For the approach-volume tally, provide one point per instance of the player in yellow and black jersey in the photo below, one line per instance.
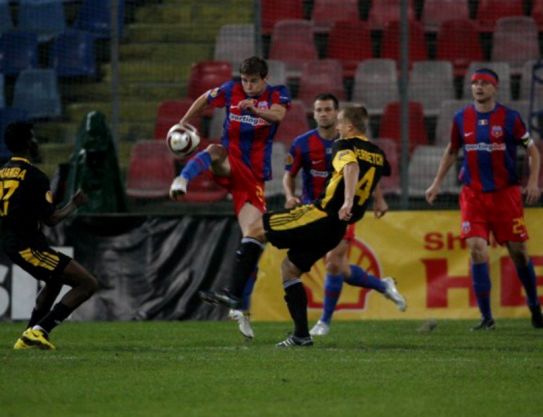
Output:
(310, 231)
(26, 203)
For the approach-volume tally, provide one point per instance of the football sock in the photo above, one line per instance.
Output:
(332, 291)
(527, 277)
(248, 290)
(481, 287)
(57, 315)
(296, 299)
(360, 278)
(246, 262)
(198, 164)
(36, 316)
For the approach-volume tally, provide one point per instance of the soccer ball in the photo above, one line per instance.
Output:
(182, 139)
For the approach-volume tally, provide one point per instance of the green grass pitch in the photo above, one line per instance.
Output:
(200, 369)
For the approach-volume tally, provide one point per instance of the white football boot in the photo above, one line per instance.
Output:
(244, 324)
(320, 329)
(392, 293)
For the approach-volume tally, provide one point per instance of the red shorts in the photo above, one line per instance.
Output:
(500, 212)
(349, 233)
(243, 186)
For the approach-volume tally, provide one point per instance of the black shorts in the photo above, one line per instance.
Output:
(308, 233)
(36, 257)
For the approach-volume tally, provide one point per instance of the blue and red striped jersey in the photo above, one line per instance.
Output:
(246, 136)
(489, 141)
(313, 155)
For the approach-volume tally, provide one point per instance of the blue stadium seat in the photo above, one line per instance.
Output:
(18, 51)
(8, 115)
(6, 24)
(36, 91)
(43, 17)
(2, 98)
(72, 54)
(95, 17)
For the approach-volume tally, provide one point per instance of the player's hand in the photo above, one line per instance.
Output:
(248, 104)
(79, 198)
(533, 193)
(178, 188)
(431, 193)
(345, 212)
(292, 202)
(380, 207)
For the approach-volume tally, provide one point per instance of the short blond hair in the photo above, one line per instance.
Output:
(358, 116)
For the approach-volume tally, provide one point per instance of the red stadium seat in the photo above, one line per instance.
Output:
(203, 189)
(206, 75)
(537, 13)
(168, 113)
(458, 42)
(321, 76)
(390, 126)
(327, 12)
(292, 42)
(294, 124)
(489, 11)
(391, 184)
(435, 12)
(384, 11)
(151, 170)
(350, 42)
(276, 10)
(418, 51)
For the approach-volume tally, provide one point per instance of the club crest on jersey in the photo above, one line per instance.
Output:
(497, 131)
(262, 105)
(466, 227)
(483, 122)
(289, 159)
(214, 93)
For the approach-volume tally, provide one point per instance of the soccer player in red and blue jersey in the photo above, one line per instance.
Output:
(242, 162)
(491, 197)
(311, 153)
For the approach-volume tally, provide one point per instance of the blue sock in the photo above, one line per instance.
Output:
(482, 286)
(528, 279)
(360, 278)
(332, 291)
(197, 164)
(248, 291)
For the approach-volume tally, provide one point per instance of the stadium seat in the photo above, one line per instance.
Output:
(435, 12)
(324, 75)
(515, 40)
(8, 115)
(206, 75)
(447, 110)
(526, 85)
(36, 91)
(489, 11)
(277, 72)
(234, 43)
(384, 11)
(422, 170)
(73, 55)
(537, 13)
(458, 42)
(203, 189)
(272, 11)
(274, 187)
(390, 184)
(350, 42)
(6, 23)
(431, 83)
(390, 48)
(375, 84)
(151, 170)
(18, 51)
(43, 17)
(292, 42)
(327, 12)
(2, 94)
(95, 16)
(390, 126)
(504, 74)
(216, 124)
(294, 124)
(169, 113)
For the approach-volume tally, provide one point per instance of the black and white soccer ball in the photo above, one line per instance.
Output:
(182, 139)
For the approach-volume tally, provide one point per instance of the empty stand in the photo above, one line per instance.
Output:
(216, 124)
(2, 93)
(422, 170)
(234, 43)
(95, 16)
(504, 73)
(274, 187)
(206, 75)
(431, 83)
(43, 17)
(435, 12)
(390, 184)
(275, 10)
(390, 126)
(350, 43)
(458, 42)
(277, 72)
(320, 76)
(18, 51)
(418, 50)
(447, 110)
(6, 23)
(537, 13)
(36, 92)
(384, 11)
(294, 123)
(151, 170)
(73, 54)
(327, 12)
(375, 84)
(526, 85)
(489, 11)
(169, 113)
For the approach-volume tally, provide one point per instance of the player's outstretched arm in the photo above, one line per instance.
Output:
(289, 187)
(532, 190)
(447, 161)
(77, 200)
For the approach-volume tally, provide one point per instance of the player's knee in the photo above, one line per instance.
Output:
(89, 285)
(479, 254)
(333, 266)
(217, 152)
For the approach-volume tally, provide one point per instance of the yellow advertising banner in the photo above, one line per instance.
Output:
(423, 251)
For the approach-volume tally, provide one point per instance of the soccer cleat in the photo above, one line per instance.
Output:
(223, 297)
(320, 329)
(295, 341)
(392, 293)
(485, 324)
(244, 324)
(20, 344)
(537, 318)
(37, 338)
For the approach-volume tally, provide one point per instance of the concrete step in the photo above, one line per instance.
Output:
(178, 53)
(156, 91)
(165, 13)
(146, 71)
(137, 111)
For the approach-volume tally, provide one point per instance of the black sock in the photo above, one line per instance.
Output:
(57, 315)
(296, 299)
(36, 316)
(247, 257)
